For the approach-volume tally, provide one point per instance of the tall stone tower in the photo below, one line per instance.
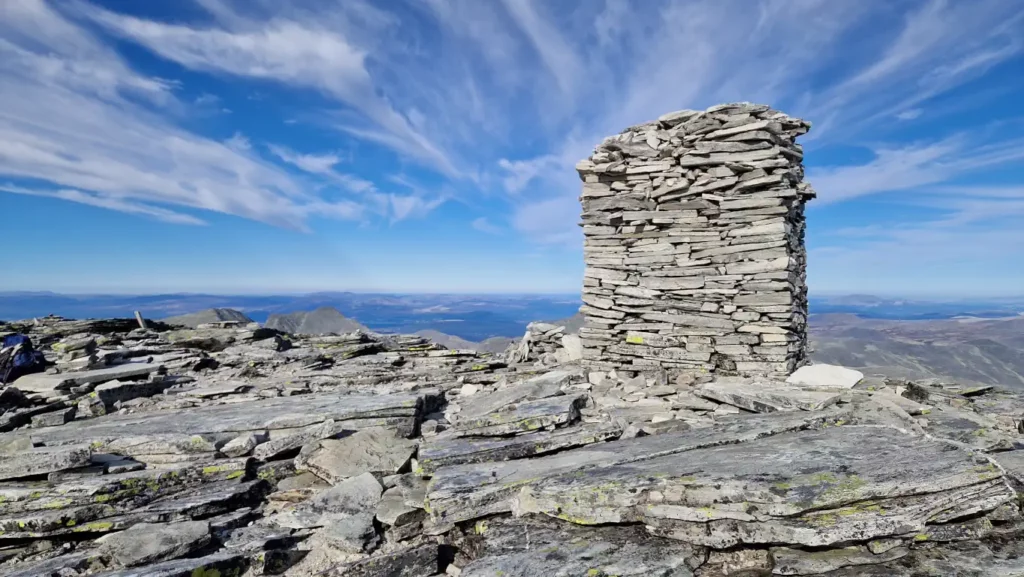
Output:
(694, 244)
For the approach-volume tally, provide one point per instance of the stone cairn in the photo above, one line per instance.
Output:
(546, 344)
(694, 244)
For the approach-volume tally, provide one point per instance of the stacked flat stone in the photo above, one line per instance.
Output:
(694, 244)
(546, 344)
(77, 353)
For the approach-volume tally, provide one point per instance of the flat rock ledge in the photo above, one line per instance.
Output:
(234, 450)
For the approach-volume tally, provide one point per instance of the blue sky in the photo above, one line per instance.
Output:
(260, 146)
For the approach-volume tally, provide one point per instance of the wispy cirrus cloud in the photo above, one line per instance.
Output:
(491, 103)
(912, 167)
(293, 52)
(484, 225)
(109, 202)
(73, 113)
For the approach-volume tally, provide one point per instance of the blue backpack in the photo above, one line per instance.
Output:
(18, 357)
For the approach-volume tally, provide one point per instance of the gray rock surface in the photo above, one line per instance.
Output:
(146, 543)
(509, 466)
(378, 451)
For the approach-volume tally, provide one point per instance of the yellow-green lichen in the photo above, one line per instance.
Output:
(98, 526)
(58, 504)
(235, 475)
(480, 528)
(921, 537)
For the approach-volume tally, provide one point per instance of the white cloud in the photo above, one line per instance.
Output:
(108, 202)
(410, 206)
(519, 173)
(483, 225)
(70, 115)
(546, 38)
(317, 164)
(293, 53)
(911, 167)
(206, 99)
(544, 221)
(238, 141)
(499, 97)
(965, 249)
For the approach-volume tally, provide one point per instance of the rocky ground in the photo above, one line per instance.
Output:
(238, 450)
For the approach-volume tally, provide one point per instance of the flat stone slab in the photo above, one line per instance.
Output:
(281, 413)
(346, 511)
(297, 439)
(216, 565)
(768, 398)
(44, 383)
(132, 489)
(825, 377)
(811, 488)
(463, 492)
(540, 387)
(965, 426)
(532, 547)
(149, 543)
(377, 451)
(42, 460)
(114, 391)
(524, 416)
(456, 451)
(408, 562)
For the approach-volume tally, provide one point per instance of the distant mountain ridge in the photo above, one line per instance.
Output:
(321, 321)
(195, 319)
(472, 317)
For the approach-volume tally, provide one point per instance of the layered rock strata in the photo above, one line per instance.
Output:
(240, 451)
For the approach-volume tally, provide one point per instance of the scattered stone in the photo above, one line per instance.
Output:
(825, 376)
(54, 419)
(241, 445)
(378, 451)
(294, 440)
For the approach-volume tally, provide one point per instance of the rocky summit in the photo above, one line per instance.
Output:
(681, 433)
(232, 449)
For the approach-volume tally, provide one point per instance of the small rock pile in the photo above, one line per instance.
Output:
(694, 244)
(546, 344)
(77, 353)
